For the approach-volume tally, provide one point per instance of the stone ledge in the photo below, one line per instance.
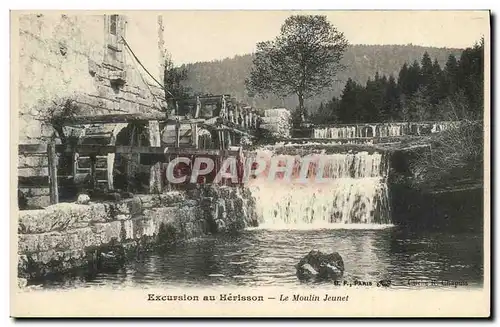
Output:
(69, 235)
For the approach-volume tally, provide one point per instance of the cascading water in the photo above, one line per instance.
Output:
(342, 190)
(343, 132)
(380, 130)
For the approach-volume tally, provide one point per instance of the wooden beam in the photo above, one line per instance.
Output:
(210, 99)
(32, 148)
(172, 121)
(43, 181)
(234, 130)
(177, 134)
(154, 133)
(198, 107)
(220, 133)
(93, 175)
(116, 118)
(54, 189)
(33, 181)
(194, 135)
(85, 150)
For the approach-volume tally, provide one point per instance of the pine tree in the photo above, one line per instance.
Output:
(414, 78)
(350, 109)
(418, 105)
(426, 71)
(470, 77)
(403, 83)
(450, 75)
(392, 101)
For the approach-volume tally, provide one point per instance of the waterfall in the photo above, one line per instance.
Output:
(343, 132)
(393, 129)
(346, 190)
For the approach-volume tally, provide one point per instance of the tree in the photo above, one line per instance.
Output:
(426, 71)
(302, 60)
(173, 78)
(470, 76)
(350, 109)
(417, 105)
(392, 101)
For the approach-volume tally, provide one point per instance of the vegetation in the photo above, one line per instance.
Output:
(361, 62)
(173, 81)
(422, 91)
(303, 60)
(57, 114)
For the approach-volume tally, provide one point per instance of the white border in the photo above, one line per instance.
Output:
(185, 4)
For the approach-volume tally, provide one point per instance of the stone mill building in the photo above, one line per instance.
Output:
(90, 65)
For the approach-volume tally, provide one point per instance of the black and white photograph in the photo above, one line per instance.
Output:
(202, 159)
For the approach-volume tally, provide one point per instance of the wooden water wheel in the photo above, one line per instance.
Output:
(98, 134)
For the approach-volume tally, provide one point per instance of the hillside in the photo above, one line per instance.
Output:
(361, 62)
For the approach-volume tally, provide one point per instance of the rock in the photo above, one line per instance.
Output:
(62, 216)
(130, 207)
(172, 198)
(83, 199)
(319, 266)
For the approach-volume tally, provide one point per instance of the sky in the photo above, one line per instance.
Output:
(192, 36)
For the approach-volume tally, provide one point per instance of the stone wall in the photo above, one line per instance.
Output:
(66, 236)
(68, 56)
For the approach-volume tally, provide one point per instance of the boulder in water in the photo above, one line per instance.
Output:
(319, 266)
(83, 199)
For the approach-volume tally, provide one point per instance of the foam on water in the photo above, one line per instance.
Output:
(354, 195)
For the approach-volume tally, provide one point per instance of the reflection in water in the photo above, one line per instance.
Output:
(267, 257)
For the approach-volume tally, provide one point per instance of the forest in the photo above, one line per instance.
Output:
(421, 91)
(227, 76)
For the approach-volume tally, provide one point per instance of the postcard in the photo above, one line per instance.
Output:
(183, 163)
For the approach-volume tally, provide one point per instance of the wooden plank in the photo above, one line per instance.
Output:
(177, 134)
(42, 181)
(32, 148)
(198, 107)
(126, 149)
(116, 118)
(33, 181)
(234, 130)
(93, 171)
(156, 179)
(110, 163)
(54, 190)
(212, 99)
(182, 121)
(154, 133)
(194, 135)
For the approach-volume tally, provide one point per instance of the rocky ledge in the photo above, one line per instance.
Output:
(66, 236)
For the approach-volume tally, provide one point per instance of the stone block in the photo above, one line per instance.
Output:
(32, 161)
(106, 232)
(130, 207)
(28, 172)
(37, 202)
(172, 198)
(128, 227)
(62, 216)
(76, 239)
(149, 201)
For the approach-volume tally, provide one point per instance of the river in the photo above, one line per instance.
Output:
(266, 257)
(348, 214)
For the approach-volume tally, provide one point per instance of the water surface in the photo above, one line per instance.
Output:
(262, 257)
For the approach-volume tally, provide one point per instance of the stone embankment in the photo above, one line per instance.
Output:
(66, 236)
